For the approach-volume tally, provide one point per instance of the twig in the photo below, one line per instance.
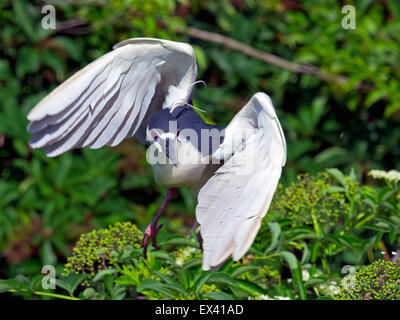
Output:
(385, 253)
(193, 229)
(74, 26)
(47, 294)
(270, 58)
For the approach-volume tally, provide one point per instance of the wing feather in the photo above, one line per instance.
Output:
(132, 119)
(77, 131)
(234, 200)
(122, 106)
(111, 98)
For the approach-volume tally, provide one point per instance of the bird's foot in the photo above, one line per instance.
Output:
(150, 233)
(153, 228)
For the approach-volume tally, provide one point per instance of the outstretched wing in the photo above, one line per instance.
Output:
(112, 98)
(234, 200)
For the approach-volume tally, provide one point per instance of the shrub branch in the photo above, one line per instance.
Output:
(270, 58)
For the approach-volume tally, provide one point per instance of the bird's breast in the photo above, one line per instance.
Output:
(191, 169)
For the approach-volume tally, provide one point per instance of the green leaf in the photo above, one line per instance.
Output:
(192, 263)
(298, 148)
(185, 278)
(306, 255)
(22, 19)
(171, 283)
(47, 254)
(374, 96)
(275, 232)
(218, 296)
(100, 275)
(363, 5)
(152, 284)
(201, 281)
(179, 241)
(395, 8)
(28, 61)
(108, 282)
(294, 267)
(393, 233)
(333, 156)
(63, 168)
(314, 281)
(201, 58)
(249, 287)
(177, 288)
(89, 293)
(12, 284)
(64, 285)
(118, 293)
(352, 175)
(222, 278)
(242, 269)
(162, 255)
(338, 175)
(291, 259)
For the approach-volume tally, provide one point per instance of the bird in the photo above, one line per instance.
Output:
(143, 88)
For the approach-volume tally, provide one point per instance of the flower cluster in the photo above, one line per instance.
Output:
(378, 281)
(98, 250)
(185, 254)
(392, 175)
(310, 200)
(329, 288)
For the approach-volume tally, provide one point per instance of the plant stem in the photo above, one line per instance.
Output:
(315, 224)
(47, 294)
(386, 254)
(266, 257)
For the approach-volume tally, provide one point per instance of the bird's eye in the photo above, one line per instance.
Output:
(154, 135)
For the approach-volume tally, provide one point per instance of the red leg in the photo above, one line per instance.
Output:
(152, 229)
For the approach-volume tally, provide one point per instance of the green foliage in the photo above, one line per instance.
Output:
(310, 201)
(45, 204)
(326, 124)
(293, 257)
(98, 250)
(378, 281)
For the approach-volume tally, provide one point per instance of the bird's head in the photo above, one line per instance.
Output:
(162, 131)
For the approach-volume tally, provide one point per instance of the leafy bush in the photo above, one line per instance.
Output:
(290, 258)
(378, 281)
(98, 250)
(310, 201)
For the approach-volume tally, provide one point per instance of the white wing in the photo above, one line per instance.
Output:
(112, 98)
(234, 200)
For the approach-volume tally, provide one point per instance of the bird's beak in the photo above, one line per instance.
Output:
(168, 148)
